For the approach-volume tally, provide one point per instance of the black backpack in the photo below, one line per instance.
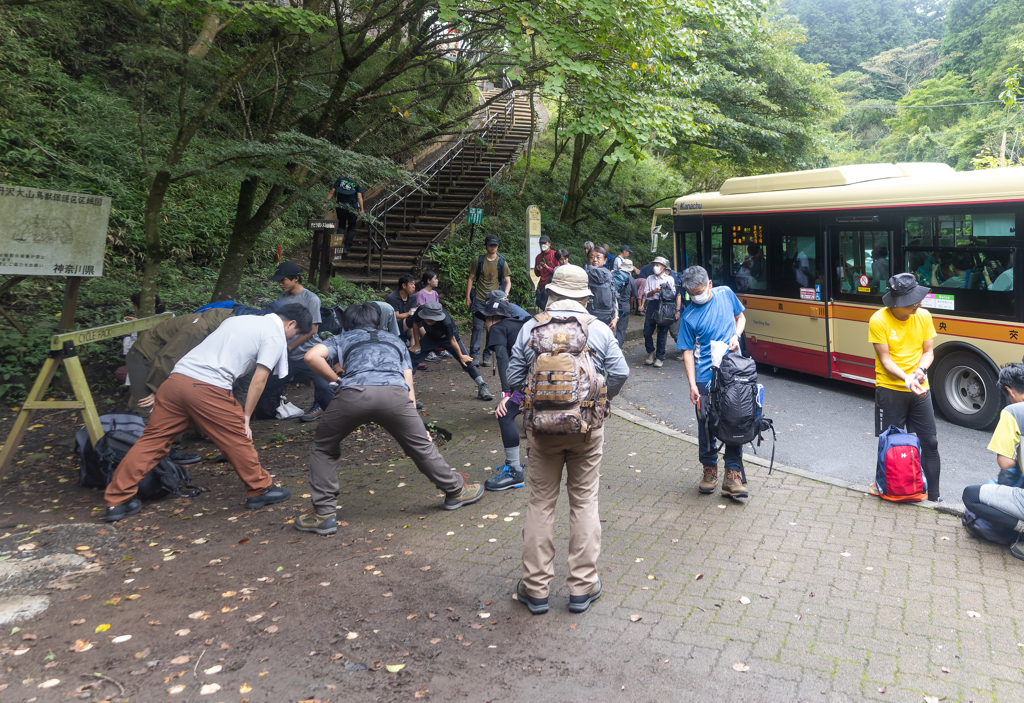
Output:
(983, 529)
(665, 315)
(602, 292)
(330, 319)
(98, 466)
(734, 413)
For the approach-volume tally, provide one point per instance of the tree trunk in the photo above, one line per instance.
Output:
(154, 253)
(576, 191)
(239, 245)
(211, 27)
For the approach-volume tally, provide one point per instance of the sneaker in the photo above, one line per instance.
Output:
(269, 497)
(184, 458)
(508, 477)
(579, 604)
(485, 361)
(483, 392)
(119, 512)
(650, 359)
(313, 415)
(709, 483)
(1016, 550)
(421, 367)
(537, 606)
(733, 486)
(469, 493)
(442, 354)
(320, 524)
(658, 363)
(433, 357)
(419, 405)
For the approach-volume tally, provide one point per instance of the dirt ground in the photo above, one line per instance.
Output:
(201, 599)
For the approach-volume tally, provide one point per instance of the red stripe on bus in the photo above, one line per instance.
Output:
(853, 225)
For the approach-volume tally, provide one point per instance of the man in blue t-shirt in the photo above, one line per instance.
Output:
(350, 206)
(712, 316)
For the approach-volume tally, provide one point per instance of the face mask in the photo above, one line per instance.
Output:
(658, 270)
(544, 247)
(702, 298)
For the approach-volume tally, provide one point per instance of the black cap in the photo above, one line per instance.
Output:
(286, 269)
(625, 247)
(544, 239)
(490, 239)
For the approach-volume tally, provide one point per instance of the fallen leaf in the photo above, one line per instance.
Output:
(213, 670)
(698, 577)
(508, 519)
(945, 670)
(201, 540)
(244, 688)
(176, 689)
(741, 667)
(882, 689)
(49, 683)
(945, 539)
(395, 668)
(122, 638)
(226, 609)
(78, 622)
(198, 615)
(81, 646)
(744, 600)
(932, 699)
(102, 628)
(845, 554)
(325, 583)
(483, 616)
(227, 594)
(254, 618)
(209, 688)
(635, 617)
(26, 547)
(182, 632)
(336, 656)
(425, 568)
(352, 635)
(410, 617)
(82, 549)
(134, 596)
(271, 630)
(435, 640)
(421, 693)
(183, 659)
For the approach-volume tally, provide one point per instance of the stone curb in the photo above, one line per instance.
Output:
(947, 508)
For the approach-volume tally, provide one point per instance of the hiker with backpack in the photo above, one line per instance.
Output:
(715, 315)
(376, 385)
(625, 291)
(503, 325)
(556, 364)
(625, 251)
(198, 391)
(663, 306)
(603, 303)
(994, 511)
(487, 272)
(903, 337)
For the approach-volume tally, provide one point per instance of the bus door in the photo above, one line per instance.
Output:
(859, 269)
(689, 231)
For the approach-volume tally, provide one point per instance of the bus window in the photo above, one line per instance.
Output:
(862, 262)
(749, 266)
(716, 262)
(796, 267)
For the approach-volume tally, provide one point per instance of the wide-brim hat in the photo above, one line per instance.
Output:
(496, 305)
(431, 311)
(570, 281)
(661, 260)
(904, 290)
(626, 265)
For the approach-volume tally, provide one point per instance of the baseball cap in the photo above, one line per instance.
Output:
(286, 269)
(544, 239)
(626, 247)
(490, 239)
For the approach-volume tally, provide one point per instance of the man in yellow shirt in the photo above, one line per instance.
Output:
(903, 337)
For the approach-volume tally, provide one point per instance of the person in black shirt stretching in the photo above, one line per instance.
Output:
(437, 330)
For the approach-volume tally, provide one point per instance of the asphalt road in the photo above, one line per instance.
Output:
(823, 426)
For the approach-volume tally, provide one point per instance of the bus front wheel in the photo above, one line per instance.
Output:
(966, 390)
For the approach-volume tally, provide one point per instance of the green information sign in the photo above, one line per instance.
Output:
(476, 215)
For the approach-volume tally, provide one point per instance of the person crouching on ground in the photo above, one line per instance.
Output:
(579, 453)
(376, 386)
(714, 316)
(198, 391)
(437, 330)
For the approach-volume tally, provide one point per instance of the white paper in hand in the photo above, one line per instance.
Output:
(718, 351)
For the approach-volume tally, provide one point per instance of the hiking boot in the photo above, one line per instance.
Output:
(183, 458)
(658, 363)
(469, 494)
(733, 486)
(508, 477)
(485, 361)
(419, 405)
(269, 497)
(537, 606)
(709, 483)
(650, 359)
(313, 415)
(483, 392)
(579, 604)
(119, 512)
(320, 524)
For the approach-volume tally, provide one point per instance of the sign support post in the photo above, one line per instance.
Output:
(532, 242)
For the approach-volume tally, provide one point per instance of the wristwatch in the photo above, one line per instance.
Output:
(923, 369)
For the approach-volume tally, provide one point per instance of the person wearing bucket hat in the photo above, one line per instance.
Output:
(578, 454)
(903, 336)
(503, 322)
(437, 330)
(659, 289)
(487, 272)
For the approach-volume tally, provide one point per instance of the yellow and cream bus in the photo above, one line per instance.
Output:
(809, 253)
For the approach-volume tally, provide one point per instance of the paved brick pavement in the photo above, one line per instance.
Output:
(850, 598)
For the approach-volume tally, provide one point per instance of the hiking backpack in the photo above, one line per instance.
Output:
(621, 279)
(735, 405)
(91, 473)
(898, 475)
(602, 295)
(665, 315)
(331, 319)
(983, 529)
(564, 392)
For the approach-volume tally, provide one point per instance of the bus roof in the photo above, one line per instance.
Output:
(856, 187)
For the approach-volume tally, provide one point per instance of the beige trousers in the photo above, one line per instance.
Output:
(582, 461)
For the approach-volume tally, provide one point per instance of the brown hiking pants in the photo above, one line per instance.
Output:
(582, 461)
(180, 402)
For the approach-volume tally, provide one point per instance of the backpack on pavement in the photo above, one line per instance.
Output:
(983, 529)
(91, 474)
(331, 319)
(735, 405)
(602, 294)
(898, 475)
(565, 394)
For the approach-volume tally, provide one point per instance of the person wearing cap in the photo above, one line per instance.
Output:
(289, 277)
(437, 330)
(487, 272)
(625, 288)
(350, 207)
(624, 253)
(903, 336)
(503, 322)
(579, 454)
(375, 386)
(544, 265)
(660, 279)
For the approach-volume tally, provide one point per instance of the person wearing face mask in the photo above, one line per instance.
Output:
(544, 265)
(714, 316)
(659, 280)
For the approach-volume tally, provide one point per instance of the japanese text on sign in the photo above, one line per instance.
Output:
(748, 234)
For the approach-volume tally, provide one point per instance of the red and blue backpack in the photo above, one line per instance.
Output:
(898, 476)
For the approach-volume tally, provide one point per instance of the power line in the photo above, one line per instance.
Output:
(932, 134)
(914, 107)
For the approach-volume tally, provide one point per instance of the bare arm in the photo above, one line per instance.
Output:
(741, 324)
(1005, 462)
(316, 360)
(882, 351)
(508, 284)
(469, 290)
(301, 338)
(359, 198)
(407, 374)
(691, 375)
(256, 386)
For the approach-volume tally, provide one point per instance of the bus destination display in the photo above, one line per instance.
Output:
(748, 234)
